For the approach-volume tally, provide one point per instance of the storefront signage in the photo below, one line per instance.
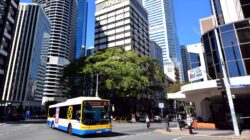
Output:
(195, 74)
(110, 3)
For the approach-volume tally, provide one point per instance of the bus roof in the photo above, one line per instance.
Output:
(75, 101)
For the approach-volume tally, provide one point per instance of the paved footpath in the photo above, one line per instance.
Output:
(220, 134)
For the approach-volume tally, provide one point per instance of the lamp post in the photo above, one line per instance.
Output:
(97, 86)
(227, 87)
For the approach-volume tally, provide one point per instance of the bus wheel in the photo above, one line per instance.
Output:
(52, 125)
(70, 129)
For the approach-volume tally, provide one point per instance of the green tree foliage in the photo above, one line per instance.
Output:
(175, 87)
(121, 72)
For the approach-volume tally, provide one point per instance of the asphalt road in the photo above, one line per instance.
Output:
(38, 130)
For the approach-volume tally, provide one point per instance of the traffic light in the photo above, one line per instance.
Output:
(220, 84)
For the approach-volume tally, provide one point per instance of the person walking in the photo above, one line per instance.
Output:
(190, 123)
(148, 122)
(167, 120)
(180, 121)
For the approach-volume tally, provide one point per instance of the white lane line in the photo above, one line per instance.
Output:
(178, 138)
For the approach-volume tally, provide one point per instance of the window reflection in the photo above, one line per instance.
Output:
(229, 39)
(232, 53)
(235, 68)
(226, 28)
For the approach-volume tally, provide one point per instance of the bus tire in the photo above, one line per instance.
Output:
(53, 125)
(70, 129)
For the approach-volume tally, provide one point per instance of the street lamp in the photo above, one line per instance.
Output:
(227, 87)
(97, 82)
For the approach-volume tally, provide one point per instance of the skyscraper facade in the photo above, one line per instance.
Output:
(25, 76)
(81, 33)
(162, 27)
(63, 17)
(8, 14)
(121, 23)
(185, 62)
(155, 51)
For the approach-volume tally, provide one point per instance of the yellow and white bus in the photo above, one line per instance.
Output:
(81, 116)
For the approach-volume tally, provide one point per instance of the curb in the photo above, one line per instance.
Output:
(2, 124)
(200, 135)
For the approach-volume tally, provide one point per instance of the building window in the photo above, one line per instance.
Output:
(245, 50)
(232, 53)
(229, 39)
(235, 68)
(247, 66)
(244, 35)
(245, 4)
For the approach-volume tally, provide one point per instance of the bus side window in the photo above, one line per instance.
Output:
(77, 112)
(52, 112)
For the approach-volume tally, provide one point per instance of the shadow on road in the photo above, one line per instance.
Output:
(32, 121)
(113, 134)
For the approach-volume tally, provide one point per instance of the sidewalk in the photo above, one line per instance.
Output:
(220, 134)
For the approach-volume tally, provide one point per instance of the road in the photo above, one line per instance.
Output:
(38, 130)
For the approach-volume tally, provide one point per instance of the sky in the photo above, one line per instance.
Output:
(187, 15)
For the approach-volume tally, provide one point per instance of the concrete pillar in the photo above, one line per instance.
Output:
(202, 109)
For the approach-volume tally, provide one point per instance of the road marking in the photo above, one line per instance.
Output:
(178, 138)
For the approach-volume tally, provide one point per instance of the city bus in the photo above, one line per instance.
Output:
(81, 116)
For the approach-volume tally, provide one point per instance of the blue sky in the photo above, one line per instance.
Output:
(187, 15)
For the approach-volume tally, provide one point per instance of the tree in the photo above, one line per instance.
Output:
(121, 73)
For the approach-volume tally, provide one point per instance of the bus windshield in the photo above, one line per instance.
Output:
(96, 112)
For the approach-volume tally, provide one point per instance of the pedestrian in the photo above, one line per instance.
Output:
(27, 114)
(148, 122)
(167, 120)
(180, 121)
(190, 123)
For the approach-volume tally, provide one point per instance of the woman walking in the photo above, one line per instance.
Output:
(190, 123)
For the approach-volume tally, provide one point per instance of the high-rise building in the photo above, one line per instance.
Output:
(227, 11)
(81, 28)
(185, 63)
(63, 17)
(8, 14)
(226, 45)
(162, 27)
(121, 23)
(155, 51)
(25, 74)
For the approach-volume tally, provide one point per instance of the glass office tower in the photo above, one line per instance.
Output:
(25, 74)
(63, 17)
(162, 28)
(81, 32)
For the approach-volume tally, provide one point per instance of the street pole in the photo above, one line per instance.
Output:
(227, 87)
(97, 81)
(161, 114)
